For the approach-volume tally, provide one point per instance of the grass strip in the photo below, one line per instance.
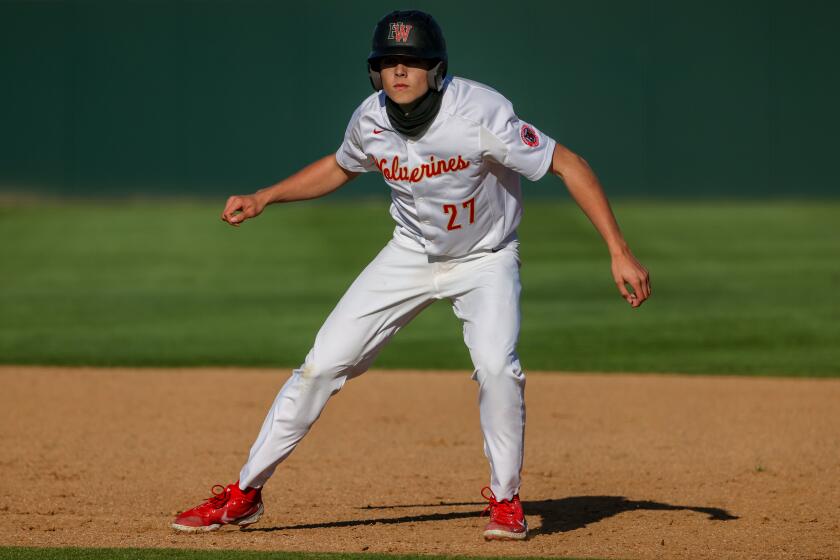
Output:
(744, 288)
(28, 553)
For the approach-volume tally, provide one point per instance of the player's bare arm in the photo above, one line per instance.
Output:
(585, 188)
(315, 180)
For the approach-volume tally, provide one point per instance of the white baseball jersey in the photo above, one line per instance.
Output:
(455, 190)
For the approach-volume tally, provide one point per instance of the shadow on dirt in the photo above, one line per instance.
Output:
(558, 516)
(576, 512)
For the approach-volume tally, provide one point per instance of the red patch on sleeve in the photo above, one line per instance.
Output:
(529, 136)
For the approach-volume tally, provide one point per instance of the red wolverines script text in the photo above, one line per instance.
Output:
(396, 172)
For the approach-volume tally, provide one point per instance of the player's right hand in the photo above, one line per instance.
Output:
(241, 207)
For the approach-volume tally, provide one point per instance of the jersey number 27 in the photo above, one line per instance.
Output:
(453, 210)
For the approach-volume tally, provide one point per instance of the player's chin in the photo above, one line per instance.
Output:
(402, 96)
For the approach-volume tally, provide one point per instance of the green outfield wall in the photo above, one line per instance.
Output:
(664, 98)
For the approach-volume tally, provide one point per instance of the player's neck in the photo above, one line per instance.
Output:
(407, 108)
(412, 119)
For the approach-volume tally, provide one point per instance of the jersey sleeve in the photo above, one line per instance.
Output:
(514, 143)
(350, 154)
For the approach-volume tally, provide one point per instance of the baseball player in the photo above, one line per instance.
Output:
(452, 152)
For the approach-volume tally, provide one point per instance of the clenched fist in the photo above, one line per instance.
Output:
(241, 207)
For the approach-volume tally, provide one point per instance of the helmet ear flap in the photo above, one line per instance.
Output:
(436, 75)
(375, 78)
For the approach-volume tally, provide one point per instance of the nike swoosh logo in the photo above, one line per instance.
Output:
(378, 131)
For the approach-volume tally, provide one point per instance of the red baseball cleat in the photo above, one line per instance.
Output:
(228, 505)
(507, 522)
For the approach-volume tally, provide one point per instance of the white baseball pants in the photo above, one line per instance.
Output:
(399, 283)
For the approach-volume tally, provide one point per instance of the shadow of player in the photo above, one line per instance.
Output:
(576, 512)
(558, 516)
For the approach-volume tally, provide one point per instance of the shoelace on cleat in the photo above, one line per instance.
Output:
(218, 499)
(500, 511)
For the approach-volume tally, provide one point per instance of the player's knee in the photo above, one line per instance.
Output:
(318, 372)
(493, 364)
(313, 377)
(325, 369)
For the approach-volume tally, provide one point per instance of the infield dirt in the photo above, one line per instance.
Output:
(616, 466)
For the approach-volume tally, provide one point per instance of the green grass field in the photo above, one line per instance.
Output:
(14, 553)
(738, 287)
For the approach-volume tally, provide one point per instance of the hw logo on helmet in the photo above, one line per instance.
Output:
(399, 32)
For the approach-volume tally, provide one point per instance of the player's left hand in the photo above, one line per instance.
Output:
(628, 271)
